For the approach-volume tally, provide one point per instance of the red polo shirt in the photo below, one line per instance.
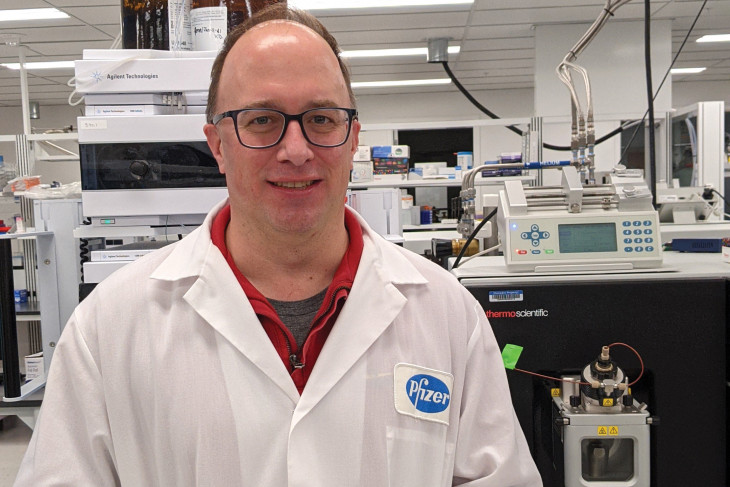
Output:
(299, 362)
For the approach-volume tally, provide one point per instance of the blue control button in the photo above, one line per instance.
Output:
(627, 232)
(535, 235)
(627, 240)
(649, 248)
(638, 240)
(525, 235)
(649, 240)
(647, 223)
(648, 231)
(637, 223)
(639, 249)
(544, 234)
(637, 232)
(628, 249)
(535, 243)
(534, 228)
(535, 251)
(626, 224)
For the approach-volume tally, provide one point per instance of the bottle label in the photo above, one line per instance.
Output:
(181, 37)
(209, 27)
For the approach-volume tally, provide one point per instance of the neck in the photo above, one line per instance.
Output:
(286, 266)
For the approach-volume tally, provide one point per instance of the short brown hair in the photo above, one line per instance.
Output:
(278, 11)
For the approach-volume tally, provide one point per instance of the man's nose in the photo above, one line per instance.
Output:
(294, 147)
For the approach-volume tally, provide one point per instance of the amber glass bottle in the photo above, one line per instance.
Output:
(145, 24)
(240, 10)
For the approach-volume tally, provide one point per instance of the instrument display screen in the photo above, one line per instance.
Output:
(587, 237)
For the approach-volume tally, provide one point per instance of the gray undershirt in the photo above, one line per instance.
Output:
(298, 315)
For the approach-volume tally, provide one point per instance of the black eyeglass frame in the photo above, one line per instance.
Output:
(351, 112)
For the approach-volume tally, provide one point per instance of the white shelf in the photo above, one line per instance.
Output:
(420, 183)
(90, 231)
(413, 183)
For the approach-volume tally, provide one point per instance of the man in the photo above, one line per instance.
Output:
(193, 367)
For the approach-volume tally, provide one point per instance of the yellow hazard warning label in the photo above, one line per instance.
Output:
(602, 431)
(613, 430)
(555, 392)
(607, 402)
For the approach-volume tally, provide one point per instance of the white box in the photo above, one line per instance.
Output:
(362, 154)
(726, 254)
(34, 367)
(362, 171)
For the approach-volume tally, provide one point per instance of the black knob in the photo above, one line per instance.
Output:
(139, 169)
(575, 401)
(628, 400)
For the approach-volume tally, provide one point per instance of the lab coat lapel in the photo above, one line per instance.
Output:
(371, 307)
(218, 298)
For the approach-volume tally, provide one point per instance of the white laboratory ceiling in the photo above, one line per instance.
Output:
(497, 40)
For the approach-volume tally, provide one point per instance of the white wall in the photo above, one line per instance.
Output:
(688, 93)
(615, 65)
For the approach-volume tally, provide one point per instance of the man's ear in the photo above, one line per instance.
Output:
(355, 139)
(215, 145)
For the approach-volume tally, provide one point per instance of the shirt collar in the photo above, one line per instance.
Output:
(344, 275)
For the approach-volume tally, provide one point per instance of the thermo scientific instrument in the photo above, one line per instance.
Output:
(603, 430)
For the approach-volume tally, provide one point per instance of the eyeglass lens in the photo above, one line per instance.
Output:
(322, 126)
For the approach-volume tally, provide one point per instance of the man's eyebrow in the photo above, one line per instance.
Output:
(322, 103)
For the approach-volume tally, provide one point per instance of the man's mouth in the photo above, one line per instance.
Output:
(294, 184)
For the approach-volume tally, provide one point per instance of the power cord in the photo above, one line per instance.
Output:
(471, 237)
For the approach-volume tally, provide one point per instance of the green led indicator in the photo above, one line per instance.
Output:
(107, 221)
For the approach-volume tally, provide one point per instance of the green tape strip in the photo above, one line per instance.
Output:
(510, 355)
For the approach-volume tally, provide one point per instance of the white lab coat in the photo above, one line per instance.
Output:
(165, 377)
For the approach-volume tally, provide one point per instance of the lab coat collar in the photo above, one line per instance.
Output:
(184, 261)
(393, 266)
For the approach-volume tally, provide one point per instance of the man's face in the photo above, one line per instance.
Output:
(293, 187)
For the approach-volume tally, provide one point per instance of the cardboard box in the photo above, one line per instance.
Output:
(390, 161)
(34, 366)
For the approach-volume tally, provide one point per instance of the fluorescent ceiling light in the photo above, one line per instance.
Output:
(687, 70)
(413, 51)
(715, 38)
(339, 4)
(41, 65)
(32, 14)
(406, 82)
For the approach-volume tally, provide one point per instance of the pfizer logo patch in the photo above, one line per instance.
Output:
(422, 393)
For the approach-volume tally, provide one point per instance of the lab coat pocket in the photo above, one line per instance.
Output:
(419, 457)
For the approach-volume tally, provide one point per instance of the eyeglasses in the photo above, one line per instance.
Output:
(261, 128)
